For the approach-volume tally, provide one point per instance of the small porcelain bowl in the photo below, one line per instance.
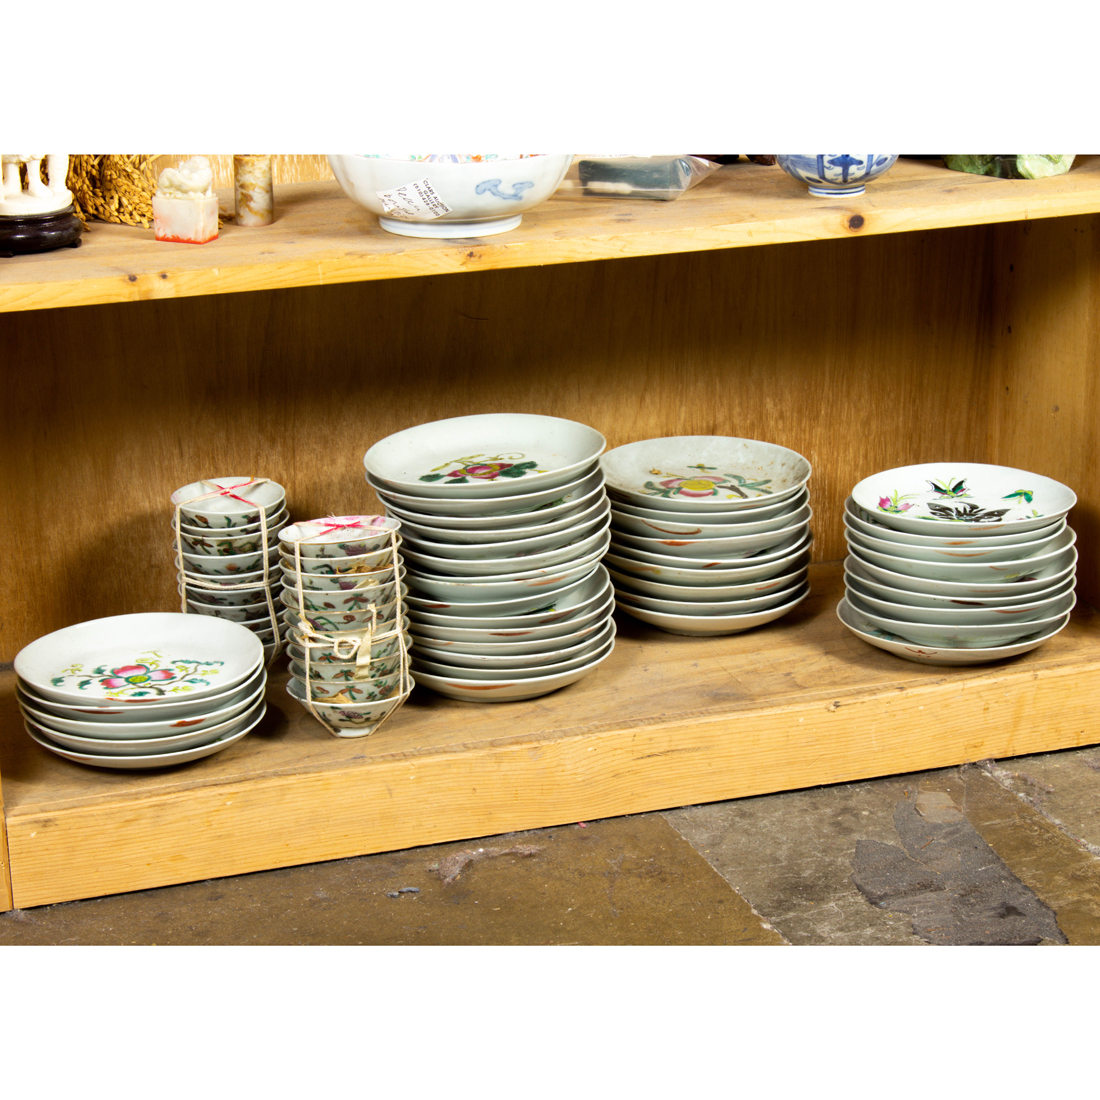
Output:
(342, 672)
(339, 582)
(330, 621)
(694, 473)
(223, 596)
(943, 655)
(339, 536)
(242, 614)
(416, 198)
(347, 719)
(940, 635)
(674, 528)
(712, 625)
(213, 544)
(957, 555)
(150, 658)
(489, 455)
(382, 650)
(273, 524)
(519, 511)
(865, 598)
(338, 567)
(728, 547)
(250, 496)
(362, 691)
(836, 174)
(858, 520)
(742, 520)
(228, 565)
(338, 602)
(1035, 567)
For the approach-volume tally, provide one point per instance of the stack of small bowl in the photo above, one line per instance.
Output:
(142, 691)
(220, 554)
(345, 620)
(710, 534)
(958, 563)
(504, 520)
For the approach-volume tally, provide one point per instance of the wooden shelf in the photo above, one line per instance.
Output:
(666, 721)
(321, 237)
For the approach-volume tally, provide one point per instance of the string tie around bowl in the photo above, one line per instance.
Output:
(356, 644)
(221, 491)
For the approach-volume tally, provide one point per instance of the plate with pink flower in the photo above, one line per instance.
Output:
(965, 497)
(696, 473)
(142, 659)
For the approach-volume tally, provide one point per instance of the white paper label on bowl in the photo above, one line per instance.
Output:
(416, 201)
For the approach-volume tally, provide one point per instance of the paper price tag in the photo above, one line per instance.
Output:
(416, 201)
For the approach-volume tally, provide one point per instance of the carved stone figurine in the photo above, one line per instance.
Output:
(39, 216)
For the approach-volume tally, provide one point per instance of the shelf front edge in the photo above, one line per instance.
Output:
(394, 804)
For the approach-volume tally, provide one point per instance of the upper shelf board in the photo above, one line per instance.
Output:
(320, 236)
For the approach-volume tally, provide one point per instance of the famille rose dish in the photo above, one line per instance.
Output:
(696, 625)
(673, 526)
(741, 517)
(758, 568)
(346, 719)
(483, 456)
(339, 536)
(959, 555)
(970, 497)
(148, 658)
(943, 655)
(237, 501)
(695, 473)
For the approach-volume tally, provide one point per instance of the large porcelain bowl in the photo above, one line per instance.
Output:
(477, 198)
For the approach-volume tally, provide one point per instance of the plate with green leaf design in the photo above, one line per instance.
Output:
(968, 497)
(484, 456)
(696, 473)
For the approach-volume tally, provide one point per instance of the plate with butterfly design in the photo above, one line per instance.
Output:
(969, 497)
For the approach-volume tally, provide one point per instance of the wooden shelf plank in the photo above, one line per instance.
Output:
(322, 237)
(666, 721)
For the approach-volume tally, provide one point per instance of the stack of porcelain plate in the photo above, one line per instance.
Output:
(958, 563)
(504, 520)
(710, 534)
(142, 691)
(344, 613)
(220, 553)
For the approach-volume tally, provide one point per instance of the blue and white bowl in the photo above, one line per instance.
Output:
(829, 174)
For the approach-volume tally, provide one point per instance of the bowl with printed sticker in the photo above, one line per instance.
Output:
(449, 194)
(698, 473)
(940, 498)
(488, 455)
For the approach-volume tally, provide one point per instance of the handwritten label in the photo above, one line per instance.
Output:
(416, 201)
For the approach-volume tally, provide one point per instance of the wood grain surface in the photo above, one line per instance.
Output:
(861, 355)
(321, 237)
(665, 721)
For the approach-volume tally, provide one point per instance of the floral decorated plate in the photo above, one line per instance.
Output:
(508, 658)
(732, 547)
(577, 550)
(673, 527)
(456, 686)
(943, 655)
(153, 657)
(153, 760)
(503, 647)
(239, 501)
(695, 473)
(150, 746)
(735, 522)
(777, 549)
(486, 455)
(750, 569)
(975, 551)
(690, 593)
(743, 606)
(526, 672)
(466, 597)
(968, 497)
(857, 519)
(339, 536)
(857, 573)
(524, 510)
(713, 625)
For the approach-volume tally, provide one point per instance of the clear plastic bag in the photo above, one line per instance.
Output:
(662, 178)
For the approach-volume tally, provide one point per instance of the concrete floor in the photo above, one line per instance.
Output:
(1000, 853)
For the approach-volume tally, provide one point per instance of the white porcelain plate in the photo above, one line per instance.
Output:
(968, 496)
(712, 625)
(692, 473)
